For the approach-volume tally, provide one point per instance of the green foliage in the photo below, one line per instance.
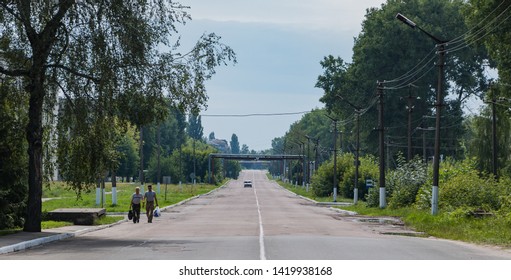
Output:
(456, 225)
(322, 181)
(386, 49)
(373, 197)
(463, 187)
(403, 183)
(129, 155)
(496, 41)
(13, 156)
(368, 170)
(195, 129)
(62, 198)
(235, 144)
(86, 145)
(113, 62)
(480, 144)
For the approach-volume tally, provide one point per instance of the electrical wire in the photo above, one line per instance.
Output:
(254, 115)
(457, 44)
(471, 37)
(409, 74)
(462, 37)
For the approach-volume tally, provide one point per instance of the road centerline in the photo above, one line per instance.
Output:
(262, 254)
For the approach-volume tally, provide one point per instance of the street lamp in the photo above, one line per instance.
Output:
(436, 159)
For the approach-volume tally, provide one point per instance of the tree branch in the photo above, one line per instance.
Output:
(74, 72)
(55, 21)
(11, 11)
(13, 73)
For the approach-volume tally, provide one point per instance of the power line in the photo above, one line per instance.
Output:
(463, 42)
(409, 73)
(462, 37)
(459, 43)
(254, 115)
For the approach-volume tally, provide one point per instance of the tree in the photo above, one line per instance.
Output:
(128, 150)
(387, 50)
(235, 144)
(13, 158)
(244, 150)
(108, 53)
(212, 136)
(195, 129)
(490, 29)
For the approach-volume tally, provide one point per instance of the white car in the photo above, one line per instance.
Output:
(247, 184)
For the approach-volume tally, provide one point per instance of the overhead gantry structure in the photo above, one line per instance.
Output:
(250, 157)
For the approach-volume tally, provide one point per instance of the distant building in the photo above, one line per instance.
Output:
(221, 145)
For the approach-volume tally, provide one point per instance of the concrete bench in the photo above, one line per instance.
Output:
(78, 216)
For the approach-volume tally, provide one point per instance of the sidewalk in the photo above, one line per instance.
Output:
(24, 240)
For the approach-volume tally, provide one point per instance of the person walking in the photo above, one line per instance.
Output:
(150, 201)
(136, 199)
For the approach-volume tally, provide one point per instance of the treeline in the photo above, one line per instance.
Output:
(473, 141)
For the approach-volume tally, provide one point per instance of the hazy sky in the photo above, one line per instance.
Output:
(279, 45)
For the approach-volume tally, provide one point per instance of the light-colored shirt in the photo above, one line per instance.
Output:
(149, 196)
(136, 198)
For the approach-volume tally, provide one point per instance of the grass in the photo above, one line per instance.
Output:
(493, 230)
(309, 194)
(59, 195)
(54, 224)
(62, 197)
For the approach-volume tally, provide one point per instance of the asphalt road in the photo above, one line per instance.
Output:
(262, 222)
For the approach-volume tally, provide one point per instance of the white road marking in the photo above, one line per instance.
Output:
(262, 254)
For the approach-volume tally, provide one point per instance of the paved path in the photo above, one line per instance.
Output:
(263, 222)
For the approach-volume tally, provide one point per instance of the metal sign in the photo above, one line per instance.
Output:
(166, 180)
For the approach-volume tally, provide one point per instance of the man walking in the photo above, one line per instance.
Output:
(150, 202)
(136, 198)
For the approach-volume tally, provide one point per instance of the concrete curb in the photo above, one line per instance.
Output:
(35, 242)
(52, 238)
(314, 201)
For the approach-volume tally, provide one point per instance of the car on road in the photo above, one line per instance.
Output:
(247, 184)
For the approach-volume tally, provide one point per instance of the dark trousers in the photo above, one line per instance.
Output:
(149, 207)
(136, 213)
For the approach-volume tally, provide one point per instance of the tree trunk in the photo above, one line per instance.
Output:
(41, 44)
(35, 143)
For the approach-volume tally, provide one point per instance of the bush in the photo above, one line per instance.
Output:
(461, 186)
(322, 181)
(368, 169)
(404, 183)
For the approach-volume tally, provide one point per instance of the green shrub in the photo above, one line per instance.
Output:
(368, 169)
(461, 186)
(403, 184)
(322, 181)
(373, 197)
